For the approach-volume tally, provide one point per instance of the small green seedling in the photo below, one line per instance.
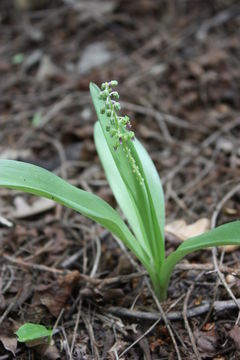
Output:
(17, 59)
(29, 333)
(136, 186)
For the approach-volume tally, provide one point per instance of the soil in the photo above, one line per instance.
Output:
(178, 68)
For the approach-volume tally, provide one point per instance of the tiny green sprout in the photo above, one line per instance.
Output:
(136, 186)
(31, 332)
(17, 59)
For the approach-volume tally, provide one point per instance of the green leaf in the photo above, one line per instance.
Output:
(139, 193)
(222, 235)
(153, 182)
(155, 194)
(30, 332)
(35, 180)
(227, 234)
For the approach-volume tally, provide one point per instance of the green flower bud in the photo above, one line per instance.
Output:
(113, 132)
(115, 95)
(117, 106)
(109, 113)
(104, 86)
(113, 83)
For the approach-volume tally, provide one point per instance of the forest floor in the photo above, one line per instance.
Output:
(178, 68)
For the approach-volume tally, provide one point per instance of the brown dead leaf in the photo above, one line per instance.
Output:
(9, 343)
(55, 297)
(13, 154)
(48, 351)
(206, 342)
(47, 70)
(181, 230)
(7, 337)
(235, 336)
(229, 248)
(24, 210)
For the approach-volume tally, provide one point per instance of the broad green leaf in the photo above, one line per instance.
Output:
(120, 191)
(227, 234)
(30, 332)
(139, 192)
(35, 180)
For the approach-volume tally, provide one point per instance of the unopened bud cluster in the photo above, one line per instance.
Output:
(119, 127)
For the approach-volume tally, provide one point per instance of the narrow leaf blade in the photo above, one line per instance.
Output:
(35, 180)
(154, 184)
(227, 234)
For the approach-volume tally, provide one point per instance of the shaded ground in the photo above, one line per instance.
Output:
(178, 66)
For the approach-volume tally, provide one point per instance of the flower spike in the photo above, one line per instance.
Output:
(118, 127)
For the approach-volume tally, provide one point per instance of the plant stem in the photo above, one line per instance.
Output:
(159, 286)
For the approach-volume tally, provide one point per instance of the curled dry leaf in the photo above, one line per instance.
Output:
(181, 230)
(24, 210)
(9, 343)
(55, 297)
(7, 337)
(229, 248)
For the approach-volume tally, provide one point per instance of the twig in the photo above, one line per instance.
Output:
(140, 338)
(76, 325)
(189, 330)
(154, 298)
(165, 319)
(97, 257)
(221, 277)
(207, 267)
(10, 281)
(196, 151)
(219, 206)
(218, 307)
(67, 347)
(159, 116)
(211, 307)
(89, 329)
(94, 281)
(219, 19)
(8, 309)
(214, 250)
(25, 264)
(55, 110)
